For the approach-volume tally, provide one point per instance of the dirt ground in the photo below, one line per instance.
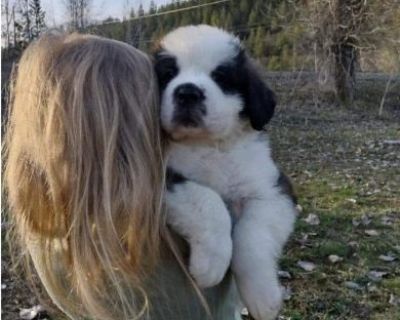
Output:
(343, 260)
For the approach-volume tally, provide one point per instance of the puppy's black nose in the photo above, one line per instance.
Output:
(188, 94)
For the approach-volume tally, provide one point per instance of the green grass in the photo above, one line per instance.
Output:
(328, 188)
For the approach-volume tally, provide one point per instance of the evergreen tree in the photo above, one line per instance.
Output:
(129, 33)
(153, 7)
(138, 28)
(140, 10)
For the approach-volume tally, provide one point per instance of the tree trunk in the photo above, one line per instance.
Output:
(347, 22)
(7, 16)
(344, 73)
(14, 31)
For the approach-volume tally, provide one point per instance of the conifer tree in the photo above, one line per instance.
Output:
(153, 7)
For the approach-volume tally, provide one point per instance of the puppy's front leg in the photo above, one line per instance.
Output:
(199, 215)
(258, 238)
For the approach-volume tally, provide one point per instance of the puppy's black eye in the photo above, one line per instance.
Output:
(226, 77)
(166, 69)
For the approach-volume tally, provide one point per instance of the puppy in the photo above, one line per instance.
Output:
(214, 107)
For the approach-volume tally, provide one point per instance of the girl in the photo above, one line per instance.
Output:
(85, 182)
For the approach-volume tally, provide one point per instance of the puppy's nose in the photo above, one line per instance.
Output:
(188, 94)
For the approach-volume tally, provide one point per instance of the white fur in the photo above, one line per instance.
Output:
(191, 47)
(210, 241)
(231, 163)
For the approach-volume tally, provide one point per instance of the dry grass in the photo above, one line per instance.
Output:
(342, 169)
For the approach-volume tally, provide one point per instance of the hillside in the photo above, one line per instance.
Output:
(280, 33)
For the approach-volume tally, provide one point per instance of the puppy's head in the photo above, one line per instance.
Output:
(208, 85)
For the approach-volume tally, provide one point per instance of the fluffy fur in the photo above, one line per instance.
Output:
(227, 162)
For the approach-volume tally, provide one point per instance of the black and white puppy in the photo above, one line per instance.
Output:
(214, 106)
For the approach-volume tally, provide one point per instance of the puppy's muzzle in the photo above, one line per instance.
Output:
(188, 94)
(189, 105)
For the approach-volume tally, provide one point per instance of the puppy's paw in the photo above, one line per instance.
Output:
(264, 304)
(209, 261)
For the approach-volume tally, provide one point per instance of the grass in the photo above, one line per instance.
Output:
(341, 170)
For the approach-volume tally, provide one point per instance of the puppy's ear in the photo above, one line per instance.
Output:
(258, 98)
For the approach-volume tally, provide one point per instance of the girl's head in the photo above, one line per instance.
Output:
(84, 171)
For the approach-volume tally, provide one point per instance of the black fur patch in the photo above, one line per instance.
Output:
(173, 178)
(166, 69)
(286, 187)
(229, 75)
(240, 76)
(259, 100)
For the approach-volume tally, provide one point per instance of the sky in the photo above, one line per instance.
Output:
(100, 9)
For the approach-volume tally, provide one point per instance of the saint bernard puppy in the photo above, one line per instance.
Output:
(225, 194)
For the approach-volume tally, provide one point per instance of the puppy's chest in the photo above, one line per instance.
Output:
(232, 173)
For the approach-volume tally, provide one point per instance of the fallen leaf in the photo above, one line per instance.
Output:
(31, 313)
(304, 242)
(308, 173)
(376, 275)
(365, 219)
(387, 258)
(393, 300)
(387, 221)
(351, 200)
(353, 244)
(306, 265)
(287, 293)
(372, 288)
(391, 142)
(334, 258)
(284, 274)
(372, 232)
(312, 219)
(352, 285)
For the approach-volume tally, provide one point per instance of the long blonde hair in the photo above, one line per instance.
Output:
(85, 174)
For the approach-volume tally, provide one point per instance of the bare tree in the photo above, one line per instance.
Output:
(38, 16)
(7, 14)
(14, 24)
(344, 31)
(349, 16)
(26, 22)
(78, 12)
(338, 31)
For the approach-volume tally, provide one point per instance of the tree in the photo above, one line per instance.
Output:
(7, 14)
(138, 28)
(78, 11)
(130, 32)
(153, 7)
(26, 21)
(38, 16)
(338, 28)
(349, 16)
